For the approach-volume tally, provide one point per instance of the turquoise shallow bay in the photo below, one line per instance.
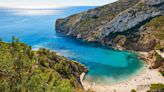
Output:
(105, 65)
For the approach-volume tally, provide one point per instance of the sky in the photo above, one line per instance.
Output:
(51, 3)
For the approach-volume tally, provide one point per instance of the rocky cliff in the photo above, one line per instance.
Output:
(89, 25)
(96, 24)
(136, 25)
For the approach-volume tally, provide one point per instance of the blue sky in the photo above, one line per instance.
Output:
(51, 3)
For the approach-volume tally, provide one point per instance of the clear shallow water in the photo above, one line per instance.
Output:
(37, 28)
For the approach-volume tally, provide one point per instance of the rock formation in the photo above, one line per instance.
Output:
(136, 25)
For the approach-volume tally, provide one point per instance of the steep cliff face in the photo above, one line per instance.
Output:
(120, 24)
(88, 24)
(97, 24)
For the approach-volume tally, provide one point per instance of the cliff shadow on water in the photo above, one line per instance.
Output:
(82, 42)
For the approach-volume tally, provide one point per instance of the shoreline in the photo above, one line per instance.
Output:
(140, 82)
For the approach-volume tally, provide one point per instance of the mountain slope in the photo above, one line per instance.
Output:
(98, 24)
(83, 23)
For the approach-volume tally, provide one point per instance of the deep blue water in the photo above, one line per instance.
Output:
(37, 29)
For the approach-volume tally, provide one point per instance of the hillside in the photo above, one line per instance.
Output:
(136, 25)
(25, 70)
(104, 24)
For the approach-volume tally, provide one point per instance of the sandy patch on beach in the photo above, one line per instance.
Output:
(140, 83)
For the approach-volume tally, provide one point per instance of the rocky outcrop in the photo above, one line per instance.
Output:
(89, 25)
(153, 59)
(96, 24)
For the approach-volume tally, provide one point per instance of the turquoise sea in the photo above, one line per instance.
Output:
(37, 29)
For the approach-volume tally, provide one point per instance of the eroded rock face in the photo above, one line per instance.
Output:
(126, 20)
(153, 2)
(88, 25)
(104, 24)
(129, 19)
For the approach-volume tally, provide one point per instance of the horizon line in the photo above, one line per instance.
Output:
(40, 8)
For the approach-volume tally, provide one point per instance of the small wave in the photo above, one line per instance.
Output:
(67, 53)
(36, 47)
(54, 37)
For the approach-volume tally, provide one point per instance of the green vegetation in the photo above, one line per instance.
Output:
(133, 90)
(158, 57)
(158, 63)
(158, 47)
(162, 73)
(25, 70)
(157, 27)
(156, 88)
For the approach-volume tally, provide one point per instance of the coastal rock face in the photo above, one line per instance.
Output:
(136, 25)
(122, 24)
(97, 25)
(89, 25)
(129, 19)
(153, 2)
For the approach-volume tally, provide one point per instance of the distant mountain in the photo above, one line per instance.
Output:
(136, 25)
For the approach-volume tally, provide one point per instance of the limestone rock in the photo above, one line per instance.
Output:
(106, 23)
